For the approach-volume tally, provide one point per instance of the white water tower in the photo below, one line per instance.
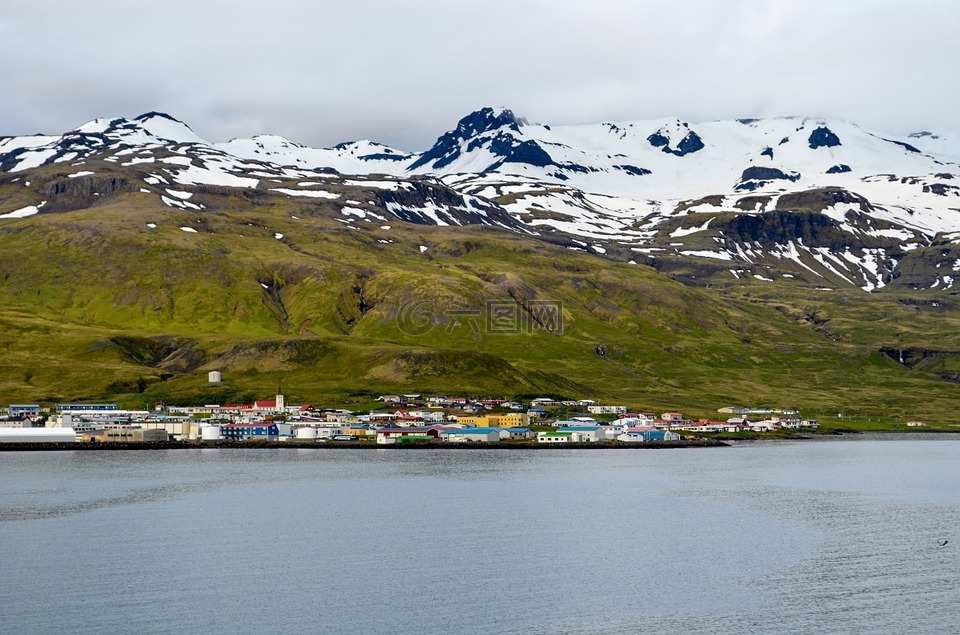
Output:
(213, 377)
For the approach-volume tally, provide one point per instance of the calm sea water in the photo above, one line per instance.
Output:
(774, 537)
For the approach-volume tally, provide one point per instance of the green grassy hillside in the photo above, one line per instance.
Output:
(99, 305)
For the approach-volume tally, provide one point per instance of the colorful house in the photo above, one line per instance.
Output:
(424, 433)
(510, 420)
(647, 433)
(20, 410)
(260, 431)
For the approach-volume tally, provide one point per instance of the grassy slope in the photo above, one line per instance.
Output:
(325, 310)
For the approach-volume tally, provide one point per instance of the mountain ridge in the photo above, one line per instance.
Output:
(635, 191)
(130, 233)
(624, 190)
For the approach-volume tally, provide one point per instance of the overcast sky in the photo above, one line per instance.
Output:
(402, 72)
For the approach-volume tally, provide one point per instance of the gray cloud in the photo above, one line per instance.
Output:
(322, 72)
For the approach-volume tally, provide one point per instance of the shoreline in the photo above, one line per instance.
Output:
(353, 445)
(849, 435)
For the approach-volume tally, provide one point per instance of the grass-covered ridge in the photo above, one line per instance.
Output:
(99, 305)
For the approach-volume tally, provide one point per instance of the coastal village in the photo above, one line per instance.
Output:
(400, 419)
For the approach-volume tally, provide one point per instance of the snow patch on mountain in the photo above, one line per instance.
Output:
(306, 193)
(718, 255)
(23, 212)
(213, 174)
(686, 231)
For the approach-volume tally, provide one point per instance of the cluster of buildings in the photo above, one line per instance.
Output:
(404, 419)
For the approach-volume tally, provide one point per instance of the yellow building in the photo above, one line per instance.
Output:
(360, 431)
(474, 422)
(512, 420)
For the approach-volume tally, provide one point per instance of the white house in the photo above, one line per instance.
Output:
(554, 437)
(540, 402)
(612, 430)
(584, 434)
(767, 425)
(575, 422)
(432, 416)
(17, 410)
(724, 426)
(607, 410)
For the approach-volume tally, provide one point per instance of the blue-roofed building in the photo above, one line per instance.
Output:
(602, 431)
(641, 435)
(250, 431)
(471, 435)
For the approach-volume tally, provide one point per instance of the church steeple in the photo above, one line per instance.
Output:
(281, 405)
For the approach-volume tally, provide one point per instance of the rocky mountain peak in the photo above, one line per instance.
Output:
(677, 139)
(449, 146)
(487, 119)
(823, 137)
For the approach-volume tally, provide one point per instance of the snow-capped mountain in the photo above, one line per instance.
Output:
(820, 200)
(166, 156)
(355, 157)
